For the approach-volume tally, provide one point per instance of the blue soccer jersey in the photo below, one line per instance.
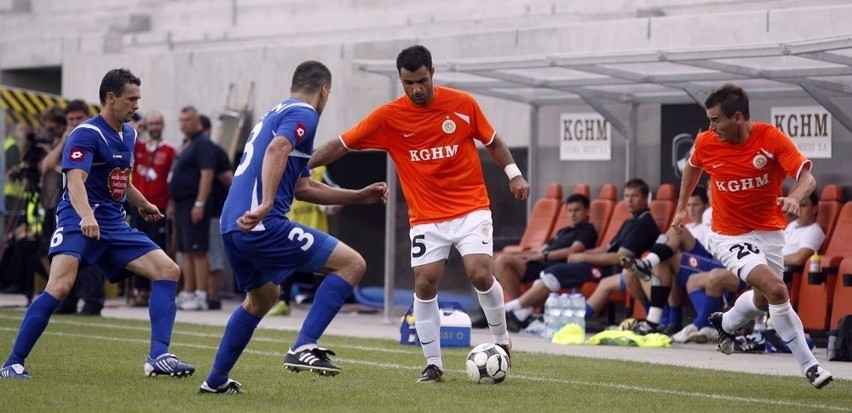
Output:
(293, 119)
(107, 156)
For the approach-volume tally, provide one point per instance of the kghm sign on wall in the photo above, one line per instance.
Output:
(584, 137)
(808, 126)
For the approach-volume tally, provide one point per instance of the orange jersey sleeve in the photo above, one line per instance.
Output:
(747, 178)
(434, 151)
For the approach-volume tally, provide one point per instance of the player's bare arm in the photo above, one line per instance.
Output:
(690, 178)
(798, 193)
(327, 153)
(80, 201)
(320, 193)
(274, 162)
(503, 158)
(147, 210)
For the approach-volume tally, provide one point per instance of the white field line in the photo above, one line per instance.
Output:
(618, 386)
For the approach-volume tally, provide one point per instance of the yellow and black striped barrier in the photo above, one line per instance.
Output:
(26, 106)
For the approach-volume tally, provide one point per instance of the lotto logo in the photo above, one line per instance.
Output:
(300, 132)
(76, 154)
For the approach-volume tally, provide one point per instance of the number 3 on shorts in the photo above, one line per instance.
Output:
(57, 237)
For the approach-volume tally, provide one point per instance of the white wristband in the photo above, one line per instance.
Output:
(512, 171)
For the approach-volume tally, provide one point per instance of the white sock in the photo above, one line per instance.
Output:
(741, 314)
(654, 315)
(788, 325)
(523, 313)
(201, 294)
(513, 305)
(492, 305)
(652, 258)
(427, 322)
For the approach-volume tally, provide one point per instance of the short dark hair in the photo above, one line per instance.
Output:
(77, 105)
(731, 99)
(701, 192)
(189, 108)
(114, 81)
(205, 122)
(578, 198)
(413, 58)
(54, 113)
(814, 198)
(309, 77)
(639, 183)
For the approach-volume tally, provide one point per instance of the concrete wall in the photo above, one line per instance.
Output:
(189, 52)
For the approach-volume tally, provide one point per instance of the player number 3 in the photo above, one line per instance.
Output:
(298, 234)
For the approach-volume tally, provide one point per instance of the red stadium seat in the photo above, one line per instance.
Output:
(542, 217)
(842, 299)
(583, 189)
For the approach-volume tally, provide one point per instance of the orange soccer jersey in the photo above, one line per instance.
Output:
(747, 178)
(434, 152)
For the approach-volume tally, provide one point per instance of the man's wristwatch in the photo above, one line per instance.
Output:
(198, 204)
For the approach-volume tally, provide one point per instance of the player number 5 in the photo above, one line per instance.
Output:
(418, 248)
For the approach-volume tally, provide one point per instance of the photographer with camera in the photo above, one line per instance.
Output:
(23, 226)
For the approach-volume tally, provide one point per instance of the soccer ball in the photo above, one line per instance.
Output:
(487, 363)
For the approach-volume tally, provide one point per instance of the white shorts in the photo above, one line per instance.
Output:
(741, 253)
(470, 234)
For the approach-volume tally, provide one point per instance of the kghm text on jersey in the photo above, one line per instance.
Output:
(742, 184)
(439, 152)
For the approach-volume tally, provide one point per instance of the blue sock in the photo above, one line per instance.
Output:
(328, 299)
(590, 312)
(161, 310)
(34, 322)
(697, 298)
(711, 305)
(664, 319)
(238, 332)
(676, 315)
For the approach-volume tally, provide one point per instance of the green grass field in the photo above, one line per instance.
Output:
(95, 365)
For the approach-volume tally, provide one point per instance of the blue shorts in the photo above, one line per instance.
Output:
(111, 253)
(270, 256)
(696, 260)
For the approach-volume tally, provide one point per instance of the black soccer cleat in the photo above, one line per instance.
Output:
(230, 387)
(818, 376)
(315, 360)
(726, 340)
(431, 374)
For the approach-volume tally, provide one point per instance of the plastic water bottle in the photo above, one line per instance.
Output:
(552, 313)
(578, 302)
(565, 310)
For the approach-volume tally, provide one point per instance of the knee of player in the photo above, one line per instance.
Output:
(169, 271)
(60, 287)
(354, 267)
(776, 292)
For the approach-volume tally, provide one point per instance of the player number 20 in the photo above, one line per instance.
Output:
(744, 249)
